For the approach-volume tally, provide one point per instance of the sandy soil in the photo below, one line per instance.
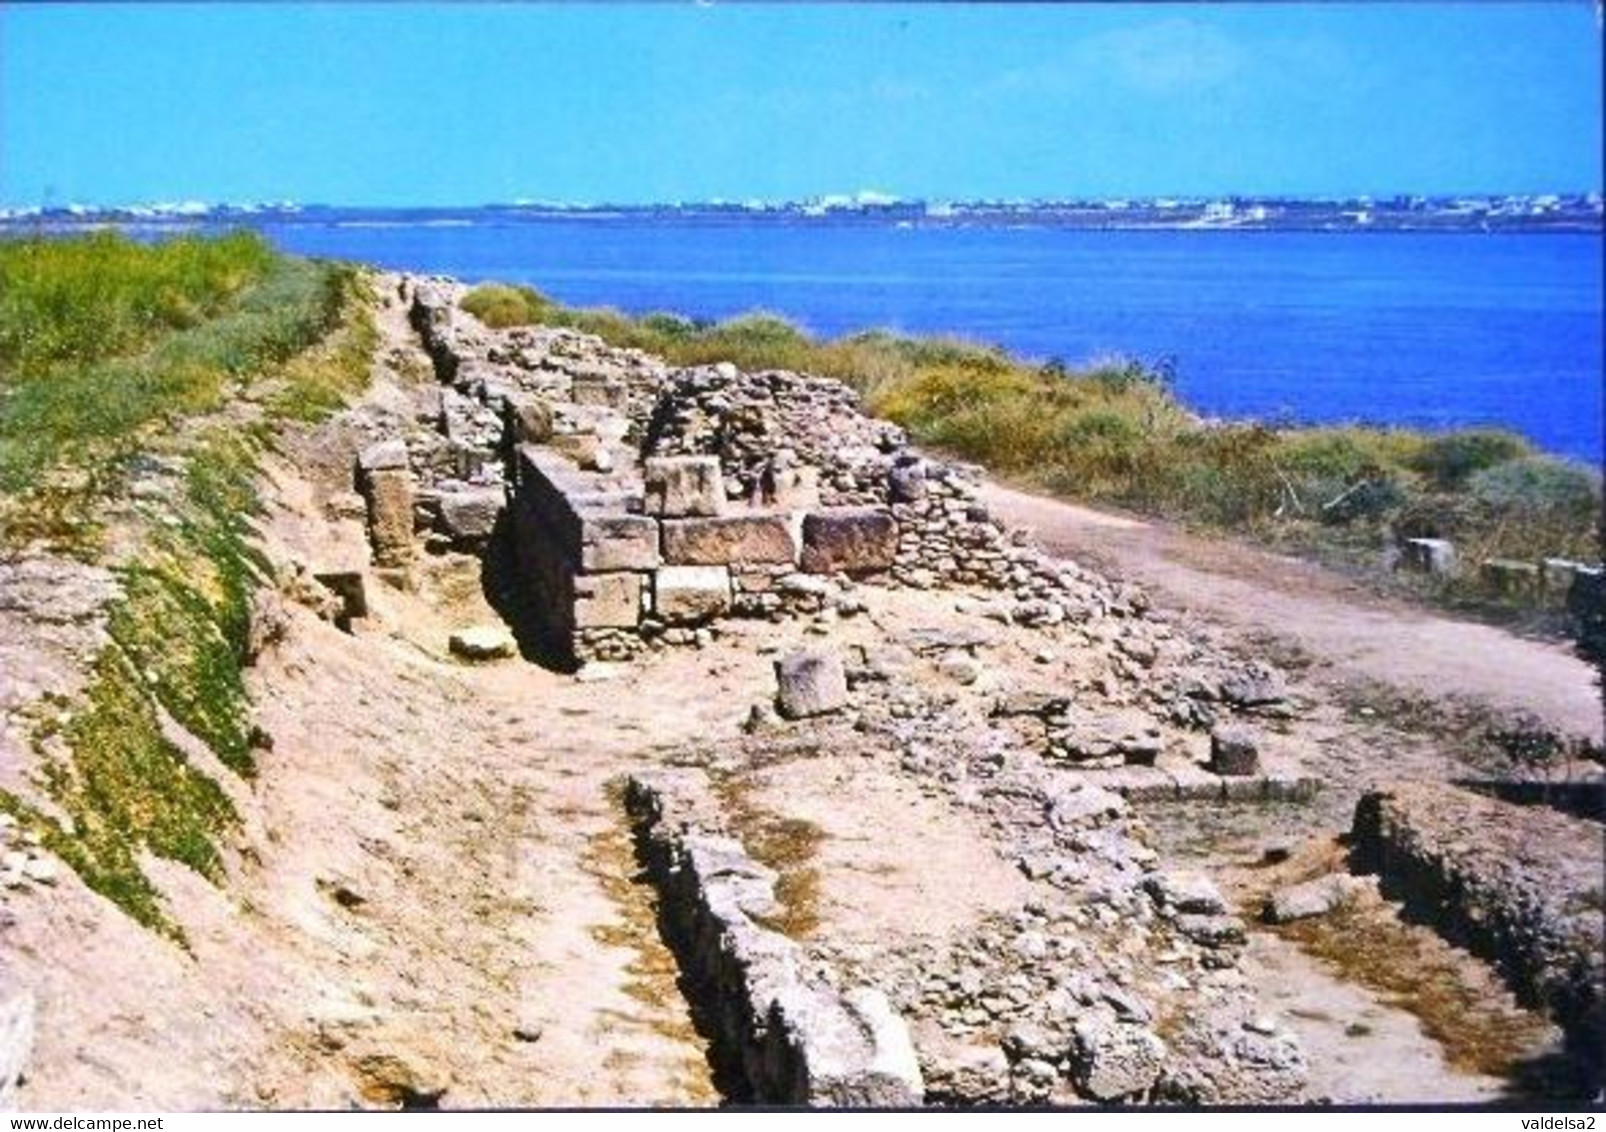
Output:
(1350, 634)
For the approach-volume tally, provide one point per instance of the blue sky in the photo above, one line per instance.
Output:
(425, 104)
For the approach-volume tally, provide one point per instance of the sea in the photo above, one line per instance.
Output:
(1428, 329)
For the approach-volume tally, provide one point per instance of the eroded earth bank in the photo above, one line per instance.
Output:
(627, 735)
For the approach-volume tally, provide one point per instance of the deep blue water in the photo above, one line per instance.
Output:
(1422, 329)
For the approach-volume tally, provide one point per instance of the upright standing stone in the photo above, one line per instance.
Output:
(1234, 750)
(390, 495)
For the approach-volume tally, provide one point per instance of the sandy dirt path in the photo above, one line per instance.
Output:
(1349, 633)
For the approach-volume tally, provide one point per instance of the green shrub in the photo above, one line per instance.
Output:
(499, 306)
(1450, 460)
(1539, 486)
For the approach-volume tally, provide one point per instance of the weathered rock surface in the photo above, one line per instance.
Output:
(688, 595)
(1312, 898)
(810, 683)
(390, 493)
(727, 540)
(683, 486)
(1234, 750)
(1113, 1060)
(16, 1040)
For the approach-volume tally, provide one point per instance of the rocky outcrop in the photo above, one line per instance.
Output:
(786, 1034)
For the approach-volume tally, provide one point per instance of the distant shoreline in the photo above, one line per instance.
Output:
(1527, 214)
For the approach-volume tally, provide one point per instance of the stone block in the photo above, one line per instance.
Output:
(791, 489)
(1428, 555)
(684, 595)
(729, 539)
(1312, 898)
(810, 683)
(1234, 750)
(680, 487)
(850, 540)
(618, 542)
(607, 601)
(469, 514)
(390, 496)
(483, 642)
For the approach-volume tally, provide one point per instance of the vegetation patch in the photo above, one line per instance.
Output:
(318, 382)
(187, 324)
(71, 302)
(89, 416)
(125, 788)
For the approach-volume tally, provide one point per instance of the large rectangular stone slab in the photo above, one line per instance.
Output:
(686, 595)
(850, 540)
(679, 487)
(607, 601)
(729, 539)
(618, 542)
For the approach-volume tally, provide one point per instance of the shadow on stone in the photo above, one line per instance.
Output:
(518, 603)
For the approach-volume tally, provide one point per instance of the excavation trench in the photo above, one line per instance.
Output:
(777, 1031)
(1387, 997)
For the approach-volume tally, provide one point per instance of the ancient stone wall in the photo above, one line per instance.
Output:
(784, 1033)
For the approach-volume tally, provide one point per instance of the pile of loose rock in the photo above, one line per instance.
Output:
(776, 433)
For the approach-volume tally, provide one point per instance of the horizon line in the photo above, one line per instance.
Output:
(865, 199)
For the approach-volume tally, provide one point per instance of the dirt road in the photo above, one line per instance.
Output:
(1351, 634)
